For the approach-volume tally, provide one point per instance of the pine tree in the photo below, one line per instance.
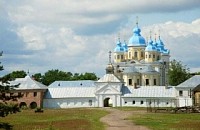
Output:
(7, 98)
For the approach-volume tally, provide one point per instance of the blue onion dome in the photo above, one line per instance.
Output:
(166, 51)
(150, 46)
(119, 47)
(160, 45)
(137, 39)
(124, 45)
(159, 42)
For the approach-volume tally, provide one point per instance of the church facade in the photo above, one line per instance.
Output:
(137, 77)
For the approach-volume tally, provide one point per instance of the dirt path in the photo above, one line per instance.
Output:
(116, 120)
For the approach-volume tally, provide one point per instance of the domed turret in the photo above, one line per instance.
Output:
(150, 46)
(110, 69)
(151, 52)
(136, 39)
(125, 47)
(160, 45)
(119, 47)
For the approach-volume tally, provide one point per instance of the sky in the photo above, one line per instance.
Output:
(76, 35)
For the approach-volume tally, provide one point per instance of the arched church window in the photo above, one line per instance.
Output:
(135, 55)
(122, 57)
(138, 81)
(147, 81)
(142, 54)
(129, 81)
(154, 81)
(158, 57)
(117, 56)
(129, 54)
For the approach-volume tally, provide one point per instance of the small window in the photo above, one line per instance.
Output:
(146, 56)
(141, 102)
(125, 102)
(142, 54)
(117, 56)
(129, 54)
(150, 103)
(154, 81)
(130, 81)
(180, 93)
(147, 81)
(149, 56)
(135, 55)
(35, 94)
(122, 57)
(133, 101)
(90, 102)
(138, 81)
(167, 103)
(158, 58)
(153, 56)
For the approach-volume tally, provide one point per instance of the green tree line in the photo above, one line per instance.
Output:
(53, 75)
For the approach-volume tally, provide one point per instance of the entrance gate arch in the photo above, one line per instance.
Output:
(107, 102)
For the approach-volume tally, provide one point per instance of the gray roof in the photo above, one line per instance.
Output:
(191, 82)
(78, 83)
(148, 70)
(27, 83)
(109, 78)
(149, 91)
(131, 69)
(70, 92)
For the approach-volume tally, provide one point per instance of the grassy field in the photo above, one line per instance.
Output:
(168, 121)
(56, 119)
(164, 121)
(132, 108)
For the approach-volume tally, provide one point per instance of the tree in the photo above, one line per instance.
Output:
(6, 106)
(55, 75)
(178, 73)
(37, 77)
(89, 76)
(16, 74)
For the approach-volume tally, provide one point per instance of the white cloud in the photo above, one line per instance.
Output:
(182, 39)
(73, 14)
(32, 37)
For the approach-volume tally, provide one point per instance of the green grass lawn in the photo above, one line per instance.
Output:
(56, 119)
(164, 121)
(132, 108)
(167, 121)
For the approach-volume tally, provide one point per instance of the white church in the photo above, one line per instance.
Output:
(136, 78)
